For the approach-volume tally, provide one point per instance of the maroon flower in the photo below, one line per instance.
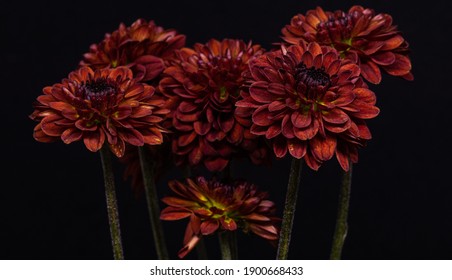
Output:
(203, 87)
(213, 206)
(144, 47)
(309, 101)
(366, 38)
(94, 106)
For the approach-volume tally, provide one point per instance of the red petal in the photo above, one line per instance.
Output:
(343, 158)
(260, 93)
(71, 135)
(301, 120)
(262, 116)
(393, 43)
(202, 128)
(276, 106)
(132, 136)
(323, 148)
(174, 213)
(217, 164)
(49, 126)
(365, 95)
(152, 136)
(179, 202)
(187, 107)
(142, 111)
(401, 66)
(313, 163)
(383, 58)
(273, 131)
(153, 66)
(257, 217)
(276, 89)
(186, 139)
(188, 246)
(265, 231)
(280, 147)
(228, 224)
(134, 91)
(308, 132)
(287, 127)
(335, 116)
(119, 148)
(195, 156)
(94, 140)
(209, 227)
(297, 148)
(371, 72)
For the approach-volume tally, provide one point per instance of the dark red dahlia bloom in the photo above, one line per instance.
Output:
(203, 87)
(144, 47)
(309, 101)
(366, 38)
(213, 206)
(94, 106)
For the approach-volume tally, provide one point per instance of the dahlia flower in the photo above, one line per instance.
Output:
(143, 46)
(368, 39)
(310, 102)
(202, 88)
(212, 206)
(97, 106)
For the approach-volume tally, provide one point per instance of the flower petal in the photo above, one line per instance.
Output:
(174, 213)
(209, 227)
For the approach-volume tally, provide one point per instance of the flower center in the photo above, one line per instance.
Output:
(338, 28)
(311, 77)
(311, 84)
(102, 93)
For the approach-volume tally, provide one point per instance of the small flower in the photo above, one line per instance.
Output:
(144, 47)
(94, 106)
(203, 87)
(308, 101)
(213, 206)
(368, 39)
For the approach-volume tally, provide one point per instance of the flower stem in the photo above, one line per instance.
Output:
(112, 205)
(228, 245)
(147, 168)
(289, 209)
(228, 239)
(340, 232)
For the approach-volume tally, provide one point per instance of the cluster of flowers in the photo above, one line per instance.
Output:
(227, 99)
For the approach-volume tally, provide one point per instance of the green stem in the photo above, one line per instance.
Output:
(147, 168)
(289, 209)
(112, 205)
(228, 239)
(228, 245)
(340, 232)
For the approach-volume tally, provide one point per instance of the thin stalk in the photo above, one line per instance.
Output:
(147, 169)
(289, 209)
(228, 245)
(112, 205)
(340, 232)
(228, 239)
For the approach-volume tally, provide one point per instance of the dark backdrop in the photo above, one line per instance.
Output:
(51, 195)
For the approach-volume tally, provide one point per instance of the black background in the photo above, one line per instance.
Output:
(52, 203)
